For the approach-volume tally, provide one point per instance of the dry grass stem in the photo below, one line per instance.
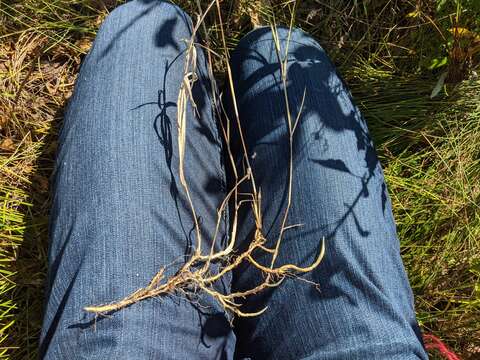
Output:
(197, 272)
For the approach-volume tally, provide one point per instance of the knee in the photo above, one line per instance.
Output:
(256, 60)
(269, 43)
(156, 23)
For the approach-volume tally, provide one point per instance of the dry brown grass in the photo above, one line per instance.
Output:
(197, 273)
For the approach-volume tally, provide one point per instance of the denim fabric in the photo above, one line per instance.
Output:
(119, 213)
(363, 307)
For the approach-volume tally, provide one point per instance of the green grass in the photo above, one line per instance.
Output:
(430, 151)
(390, 52)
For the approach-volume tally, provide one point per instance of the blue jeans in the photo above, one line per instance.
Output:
(119, 212)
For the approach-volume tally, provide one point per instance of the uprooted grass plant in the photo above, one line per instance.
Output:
(196, 274)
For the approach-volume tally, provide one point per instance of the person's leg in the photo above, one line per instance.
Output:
(119, 212)
(363, 307)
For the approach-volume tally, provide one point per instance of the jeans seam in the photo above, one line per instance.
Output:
(250, 43)
(220, 170)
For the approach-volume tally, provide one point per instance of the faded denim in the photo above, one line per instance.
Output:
(119, 212)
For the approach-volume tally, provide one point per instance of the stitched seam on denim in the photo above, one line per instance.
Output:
(221, 172)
